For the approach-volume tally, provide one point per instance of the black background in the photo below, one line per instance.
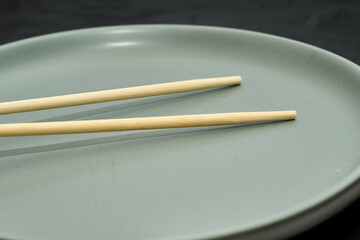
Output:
(331, 25)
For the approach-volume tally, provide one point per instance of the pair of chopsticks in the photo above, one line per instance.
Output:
(125, 124)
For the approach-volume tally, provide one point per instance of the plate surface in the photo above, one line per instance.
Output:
(182, 183)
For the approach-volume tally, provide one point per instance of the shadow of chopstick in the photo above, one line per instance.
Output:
(145, 134)
(133, 103)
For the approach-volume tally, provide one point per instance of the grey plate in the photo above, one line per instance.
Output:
(183, 183)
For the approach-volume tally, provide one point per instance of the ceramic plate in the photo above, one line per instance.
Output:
(275, 179)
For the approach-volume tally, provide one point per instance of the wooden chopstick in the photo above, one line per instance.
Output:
(126, 124)
(116, 94)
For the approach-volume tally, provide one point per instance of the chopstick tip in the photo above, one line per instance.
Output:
(239, 79)
(292, 114)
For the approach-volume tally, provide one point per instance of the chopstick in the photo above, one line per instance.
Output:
(116, 94)
(126, 124)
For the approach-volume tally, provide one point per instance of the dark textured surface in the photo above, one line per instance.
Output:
(331, 25)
